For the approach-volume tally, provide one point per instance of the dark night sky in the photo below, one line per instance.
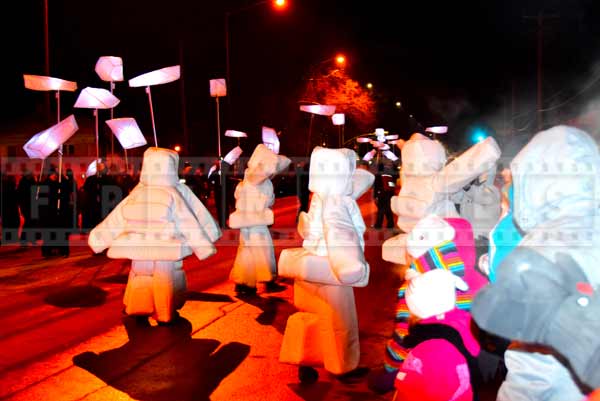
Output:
(448, 62)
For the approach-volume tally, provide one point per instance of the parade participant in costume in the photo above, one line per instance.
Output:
(443, 348)
(255, 259)
(157, 226)
(556, 180)
(549, 307)
(383, 190)
(428, 186)
(434, 243)
(330, 262)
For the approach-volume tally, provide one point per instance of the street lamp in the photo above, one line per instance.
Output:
(277, 4)
(369, 85)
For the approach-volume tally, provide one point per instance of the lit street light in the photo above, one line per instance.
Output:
(398, 104)
(340, 59)
(369, 85)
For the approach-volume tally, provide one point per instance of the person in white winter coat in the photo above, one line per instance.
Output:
(159, 224)
(330, 262)
(556, 179)
(255, 259)
(429, 185)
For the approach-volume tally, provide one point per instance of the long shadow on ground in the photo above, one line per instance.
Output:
(164, 363)
(275, 310)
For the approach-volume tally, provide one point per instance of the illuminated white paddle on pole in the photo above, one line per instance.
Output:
(110, 69)
(270, 139)
(339, 119)
(45, 83)
(44, 143)
(157, 77)
(128, 134)
(96, 98)
(218, 89)
(316, 109)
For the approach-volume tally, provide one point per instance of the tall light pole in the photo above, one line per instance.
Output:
(46, 52)
(278, 4)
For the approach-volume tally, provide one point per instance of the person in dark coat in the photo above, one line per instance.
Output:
(384, 188)
(26, 198)
(9, 209)
(67, 216)
(302, 185)
(49, 218)
(100, 194)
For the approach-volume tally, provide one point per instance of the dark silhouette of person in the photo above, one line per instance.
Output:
(221, 183)
(384, 188)
(9, 208)
(49, 217)
(67, 217)
(302, 191)
(26, 198)
(163, 363)
(100, 194)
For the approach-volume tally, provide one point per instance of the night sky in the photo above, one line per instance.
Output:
(459, 63)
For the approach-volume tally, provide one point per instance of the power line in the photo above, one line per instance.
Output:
(588, 86)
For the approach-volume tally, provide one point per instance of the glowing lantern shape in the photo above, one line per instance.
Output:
(235, 134)
(363, 140)
(338, 119)
(379, 132)
(92, 168)
(44, 143)
(270, 139)
(157, 77)
(390, 155)
(110, 69)
(44, 83)
(385, 146)
(437, 130)
(377, 144)
(96, 98)
(218, 87)
(233, 155)
(320, 109)
(127, 132)
(369, 155)
(391, 137)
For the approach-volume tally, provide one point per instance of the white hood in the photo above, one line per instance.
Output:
(422, 156)
(159, 167)
(331, 171)
(556, 176)
(263, 164)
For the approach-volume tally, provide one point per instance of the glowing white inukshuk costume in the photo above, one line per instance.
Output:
(429, 185)
(159, 224)
(330, 262)
(255, 259)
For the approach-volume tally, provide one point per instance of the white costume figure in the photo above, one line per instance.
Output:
(428, 185)
(157, 226)
(255, 259)
(330, 262)
(556, 179)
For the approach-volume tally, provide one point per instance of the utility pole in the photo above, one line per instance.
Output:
(47, 54)
(540, 18)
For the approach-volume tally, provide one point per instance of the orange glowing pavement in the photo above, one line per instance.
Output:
(63, 335)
